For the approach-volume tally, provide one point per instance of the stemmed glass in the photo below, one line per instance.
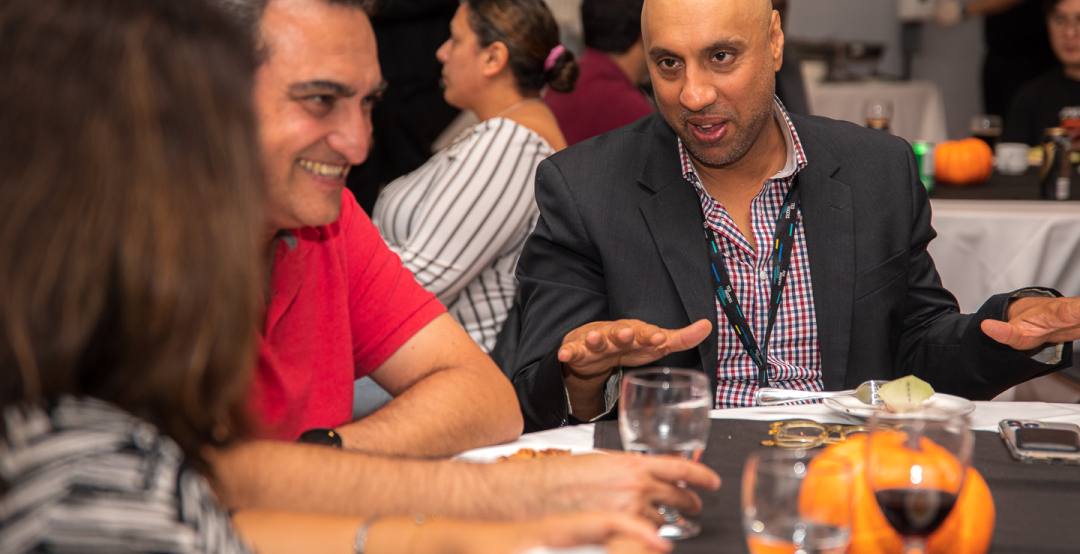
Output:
(795, 503)
(916, 465)
(665, 411)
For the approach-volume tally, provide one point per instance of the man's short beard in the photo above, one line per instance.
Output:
(740, 143)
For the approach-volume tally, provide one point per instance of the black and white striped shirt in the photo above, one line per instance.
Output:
(460, 220)
(88, 477)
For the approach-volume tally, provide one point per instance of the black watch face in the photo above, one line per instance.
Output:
(325, 437)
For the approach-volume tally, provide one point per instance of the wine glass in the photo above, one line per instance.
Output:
(916, 465)
(879, 113)
(665, 411)
(795, 503)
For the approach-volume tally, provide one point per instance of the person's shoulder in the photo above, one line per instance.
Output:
(1035, 89)
(843, 139)
(621, 147)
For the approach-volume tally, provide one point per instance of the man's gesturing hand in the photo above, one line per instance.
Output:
(1035, 321)
(595, 348)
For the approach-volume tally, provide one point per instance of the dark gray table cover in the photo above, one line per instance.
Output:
(1038, 506)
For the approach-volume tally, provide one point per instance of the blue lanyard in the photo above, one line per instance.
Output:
(783, 239)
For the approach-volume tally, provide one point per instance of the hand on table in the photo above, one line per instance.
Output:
(1035, 321)
(623, 483)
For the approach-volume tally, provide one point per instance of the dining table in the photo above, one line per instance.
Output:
(1037, 504)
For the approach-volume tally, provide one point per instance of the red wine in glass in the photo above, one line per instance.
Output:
(915, 512)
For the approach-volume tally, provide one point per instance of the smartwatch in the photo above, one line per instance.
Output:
(325, 437)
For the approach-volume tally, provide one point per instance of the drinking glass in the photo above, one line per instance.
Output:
(793, 503)
(665, 411)
(879, 113)
(987, 128)
(916, 466)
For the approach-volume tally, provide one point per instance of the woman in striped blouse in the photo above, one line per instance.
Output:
(460, 220)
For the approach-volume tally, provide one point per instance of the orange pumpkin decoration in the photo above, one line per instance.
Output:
(963, 162)
(967, 530)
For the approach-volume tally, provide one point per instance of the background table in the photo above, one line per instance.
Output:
(918, 108)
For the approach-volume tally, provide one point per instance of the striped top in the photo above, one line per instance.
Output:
(794, 358)
(460, 220)
(88, 477)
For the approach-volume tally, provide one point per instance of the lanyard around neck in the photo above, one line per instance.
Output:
(780, 260)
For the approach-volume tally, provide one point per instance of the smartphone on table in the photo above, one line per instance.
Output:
(1029, 440)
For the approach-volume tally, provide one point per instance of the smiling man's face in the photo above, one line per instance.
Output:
(313, 98)
(712, 64)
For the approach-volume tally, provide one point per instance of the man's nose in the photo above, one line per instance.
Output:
(352, 138)
(698, 91)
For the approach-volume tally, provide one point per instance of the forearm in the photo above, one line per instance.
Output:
(287, 533)
(448, 412)
(277, 476)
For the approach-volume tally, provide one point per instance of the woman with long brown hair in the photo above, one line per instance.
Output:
(130, 288)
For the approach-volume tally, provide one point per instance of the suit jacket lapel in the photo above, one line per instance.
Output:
(829, 225)
(675, 221)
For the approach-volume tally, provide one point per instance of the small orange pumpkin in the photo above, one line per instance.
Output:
(967, 530)
(963, 162)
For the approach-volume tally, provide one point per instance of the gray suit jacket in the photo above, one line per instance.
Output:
(620, 236)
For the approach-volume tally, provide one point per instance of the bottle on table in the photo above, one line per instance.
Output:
(1055, 176)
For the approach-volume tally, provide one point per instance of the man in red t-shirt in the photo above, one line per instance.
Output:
(606, 95)
(340, 305)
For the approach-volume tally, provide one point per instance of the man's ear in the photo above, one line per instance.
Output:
(496, 58)
(776, 41)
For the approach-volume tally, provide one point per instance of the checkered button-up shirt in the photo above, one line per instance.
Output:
(794, 361)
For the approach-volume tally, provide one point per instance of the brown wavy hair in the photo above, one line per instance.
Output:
(130, 212)
(529, 32)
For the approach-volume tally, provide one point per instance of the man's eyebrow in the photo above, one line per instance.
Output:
(321, 87)
(722, 44)
(379, 89)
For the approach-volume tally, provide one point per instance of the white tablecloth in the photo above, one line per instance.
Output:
(985, 247)
(919, 110)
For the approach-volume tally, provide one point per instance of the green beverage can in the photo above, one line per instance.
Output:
(924, 154)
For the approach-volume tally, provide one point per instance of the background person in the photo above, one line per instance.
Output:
(129, 261)
(458, 222)
(606, 96)
(1017, 48)
(1038, 104)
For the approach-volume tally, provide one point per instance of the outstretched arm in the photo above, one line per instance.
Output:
(285, 532)
(590, 353)
(282, 476)
(448, 397)
(1034, 322)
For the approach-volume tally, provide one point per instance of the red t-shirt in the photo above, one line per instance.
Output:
(341, 304)
(603, 99)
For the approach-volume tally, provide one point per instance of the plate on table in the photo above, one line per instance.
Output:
(849, 405)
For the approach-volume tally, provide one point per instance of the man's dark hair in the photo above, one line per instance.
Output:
(129, 224)
(611, 26)
(1049, 5)
(248, 14)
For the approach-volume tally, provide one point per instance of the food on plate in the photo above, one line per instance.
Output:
(529, 453)
(905, 394)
